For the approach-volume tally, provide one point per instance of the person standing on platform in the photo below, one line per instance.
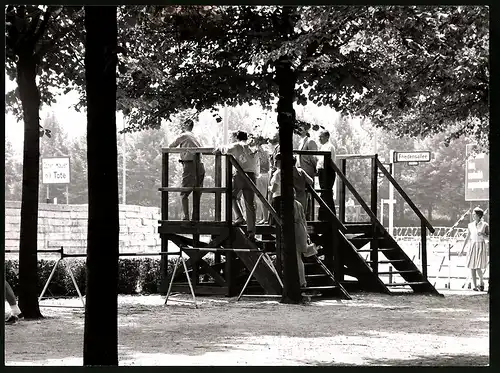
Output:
(275, 141)
(10, 297)
(275, 185)
(301, 237)
(262, 213)
(300, 181)
(307, 162)
(193, 170)
(477, 256)
(326, 175)
(247, 159)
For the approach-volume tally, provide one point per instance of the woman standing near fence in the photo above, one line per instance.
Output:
(477, 257)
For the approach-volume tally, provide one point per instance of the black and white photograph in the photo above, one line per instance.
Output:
(247, 185)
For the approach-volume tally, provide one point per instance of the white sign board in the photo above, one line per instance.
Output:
(477, 176)
(424, 156)
(55, 170)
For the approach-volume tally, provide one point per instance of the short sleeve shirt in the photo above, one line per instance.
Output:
(187, 140)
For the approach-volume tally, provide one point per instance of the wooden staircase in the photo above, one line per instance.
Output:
(395, 262)
(321, 281)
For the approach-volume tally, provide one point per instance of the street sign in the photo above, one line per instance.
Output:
(477, 176)
(423, 156)
(413, 163)
(55, 170)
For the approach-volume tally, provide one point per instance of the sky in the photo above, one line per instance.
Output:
(73, 122)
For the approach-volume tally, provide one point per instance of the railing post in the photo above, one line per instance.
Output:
(196, 194)
(374, 182)
(374, 248)
(196, 217)
(228, 269)
(375, 230)
(343, 168)
(423, 235)
(164, 216)
(218, 184)
(229, 191)
(164, 184)
(218, 196)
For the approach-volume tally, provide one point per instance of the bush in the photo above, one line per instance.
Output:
(134, 275)
(150, 276)
(12, 273)
(79, 269)
(128, 276)
(57, 286)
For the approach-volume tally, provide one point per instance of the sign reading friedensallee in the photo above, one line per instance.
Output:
(477, 175)
(55, 170)
(423, 156)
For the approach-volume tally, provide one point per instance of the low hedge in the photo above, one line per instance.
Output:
(135, 276)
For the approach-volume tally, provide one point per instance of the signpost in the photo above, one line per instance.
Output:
(477, 176)
(56, 170)
(412, 159)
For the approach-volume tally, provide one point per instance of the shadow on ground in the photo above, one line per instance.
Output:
(455, 360)
(146, 326)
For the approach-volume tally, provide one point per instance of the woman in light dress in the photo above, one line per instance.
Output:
(477, 257)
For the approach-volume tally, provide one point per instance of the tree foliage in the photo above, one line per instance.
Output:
(420, 70)
(392, 64)
(53, 36)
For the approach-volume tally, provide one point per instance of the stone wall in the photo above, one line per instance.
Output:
(66, 225)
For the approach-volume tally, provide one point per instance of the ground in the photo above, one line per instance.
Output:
(371, 329)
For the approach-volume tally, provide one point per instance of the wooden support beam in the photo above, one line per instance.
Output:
(164, 216)
(218, 184)
(374, 242)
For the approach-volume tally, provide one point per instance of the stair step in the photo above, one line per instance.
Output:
(329, 287)
(368, 250)
(406, 283)
(387, 261)
(395, 272)
(364, 238)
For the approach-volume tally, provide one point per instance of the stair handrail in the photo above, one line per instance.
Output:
(357, 196)
(254, 188)
(403, 194)
(323, 204)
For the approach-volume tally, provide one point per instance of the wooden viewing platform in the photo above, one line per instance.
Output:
(233, 256)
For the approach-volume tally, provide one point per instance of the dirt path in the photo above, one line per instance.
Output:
(371, 329)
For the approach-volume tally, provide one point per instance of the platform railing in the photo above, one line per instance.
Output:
(371, 210)
(218, 190)
(340, 171)
(424, 223)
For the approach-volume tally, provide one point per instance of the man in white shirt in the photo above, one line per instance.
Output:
(247, 158)
(193, 170)
(307, 162)
(326, 174)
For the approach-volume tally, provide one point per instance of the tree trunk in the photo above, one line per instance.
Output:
(28, 276)
(286, 78)
(101, 311)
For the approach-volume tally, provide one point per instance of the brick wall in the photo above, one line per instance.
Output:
(66, 225)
